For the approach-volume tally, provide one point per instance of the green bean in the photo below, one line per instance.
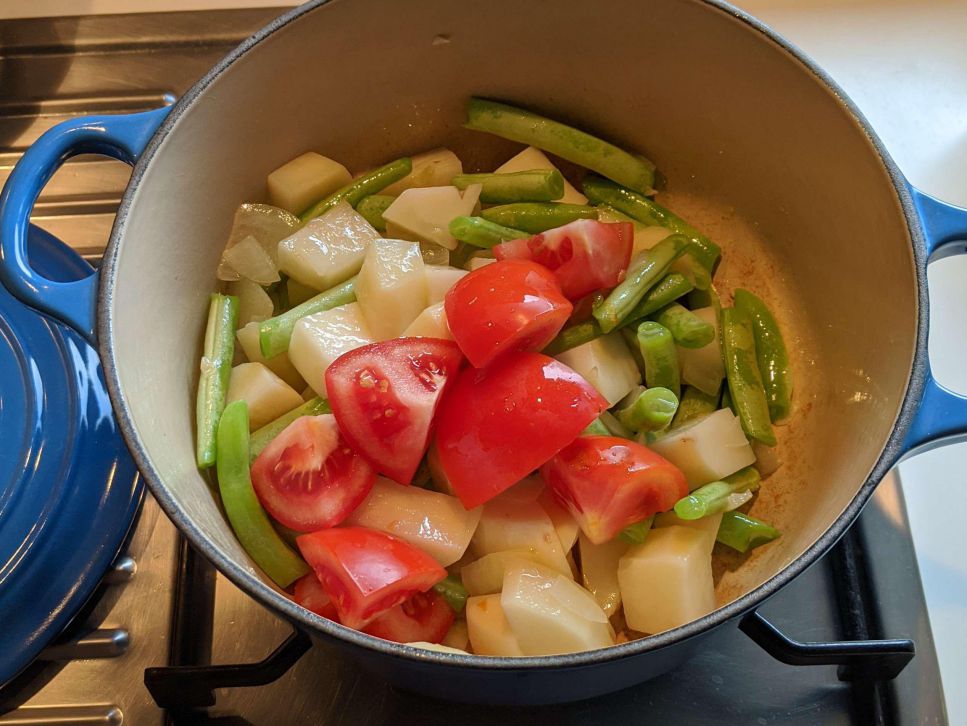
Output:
(742, 532)
(263, 437)
(372, 208)
(216, 368)
(652, 410)
(688, 330)
(596, 428)
(693, 269)
(539, 185)
(637, 533)
(771, 354)
(640, 278)
(249, 521)
(669, 288)
(694, 404)
(630, 337)
(536, 217)
(742, 374)
(369, 183)
(713, 498)
(634, 172)
(274, 333)
(453, 591)
(573, 336)
(480, 232)
(661, 359)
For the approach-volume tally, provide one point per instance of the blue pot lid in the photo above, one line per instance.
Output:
(69, 490)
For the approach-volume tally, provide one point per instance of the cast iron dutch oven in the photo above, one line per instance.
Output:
(758, 147)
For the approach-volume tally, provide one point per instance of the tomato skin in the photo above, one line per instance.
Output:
(584, 255)
(384, 396)
(308, 477)
(309, 593)
(608, 483)
(366, 572)
(501, 423)
(503, 308)
(426, 617)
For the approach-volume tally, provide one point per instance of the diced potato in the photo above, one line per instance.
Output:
(666, 581)
(254, 304)
(564, 524)
(391, 287)
(549, 613)
(431, 323)
(317, 340)
(486, 575)
(436, 523)
(299, 293)
(599, 571)
(708, 449)
(328, 249)
(280, 365)
(426, 213)
(299, 183)
(487, 626)
(606, 364)
(267, 395)
(439, 280)
(709, 526)
(475, 263)
(433, 168)
(531, 158)
(703, 367)
(508, 523)
(457, 636)
(439, 647)
(767, 461)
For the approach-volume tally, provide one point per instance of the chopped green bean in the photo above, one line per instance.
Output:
(694, 404)
(661, 359)
(216, 368)
(274, 333)
(634, 172)
(742, 532)
(713, 498)
(742, 373)
(596, 428)
(481, 232)
(688, 330)
(693, 269)
(248, 519)
(640, 278)
(637, 533)
(771, 354)
(573, 336)
(652, 410)
(366, 185)
(536, 217)
(671, 287)
(453, 591)
(630, 336)
(372, 208)
(539, 185)
(263, 437)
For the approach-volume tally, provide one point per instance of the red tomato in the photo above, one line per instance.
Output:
(585, 255)
(426, 617)
(309, 593)
(366, 572)
(505, 307)
(608, 483)
(500, 423)
(384, 396)
(308, 477)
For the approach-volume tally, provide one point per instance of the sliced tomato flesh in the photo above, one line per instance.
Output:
(608, 483)
(424, 618)
(310, 594)
(308, 477)
(385, 395)
(366, 572)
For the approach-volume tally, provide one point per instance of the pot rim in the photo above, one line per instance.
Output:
(256, 587)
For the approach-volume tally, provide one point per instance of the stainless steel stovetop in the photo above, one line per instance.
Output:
(163, 605)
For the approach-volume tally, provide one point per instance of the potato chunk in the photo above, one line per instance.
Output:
(267, 395)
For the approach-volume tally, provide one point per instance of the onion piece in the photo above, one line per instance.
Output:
(267, 224)
(249, 260)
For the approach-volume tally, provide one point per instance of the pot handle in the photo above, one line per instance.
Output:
(942, 416)
(121, 137)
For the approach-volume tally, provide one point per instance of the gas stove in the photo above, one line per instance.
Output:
(163, 615)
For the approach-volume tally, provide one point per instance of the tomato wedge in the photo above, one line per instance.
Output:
(424, 618)
(608, 483)
(585, 255)
(366, 572)
(505, 307)
(500, 423)
(308, 477)
(384, 397)
(309, 593)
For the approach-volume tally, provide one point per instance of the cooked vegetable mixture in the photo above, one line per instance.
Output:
(487, 412)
